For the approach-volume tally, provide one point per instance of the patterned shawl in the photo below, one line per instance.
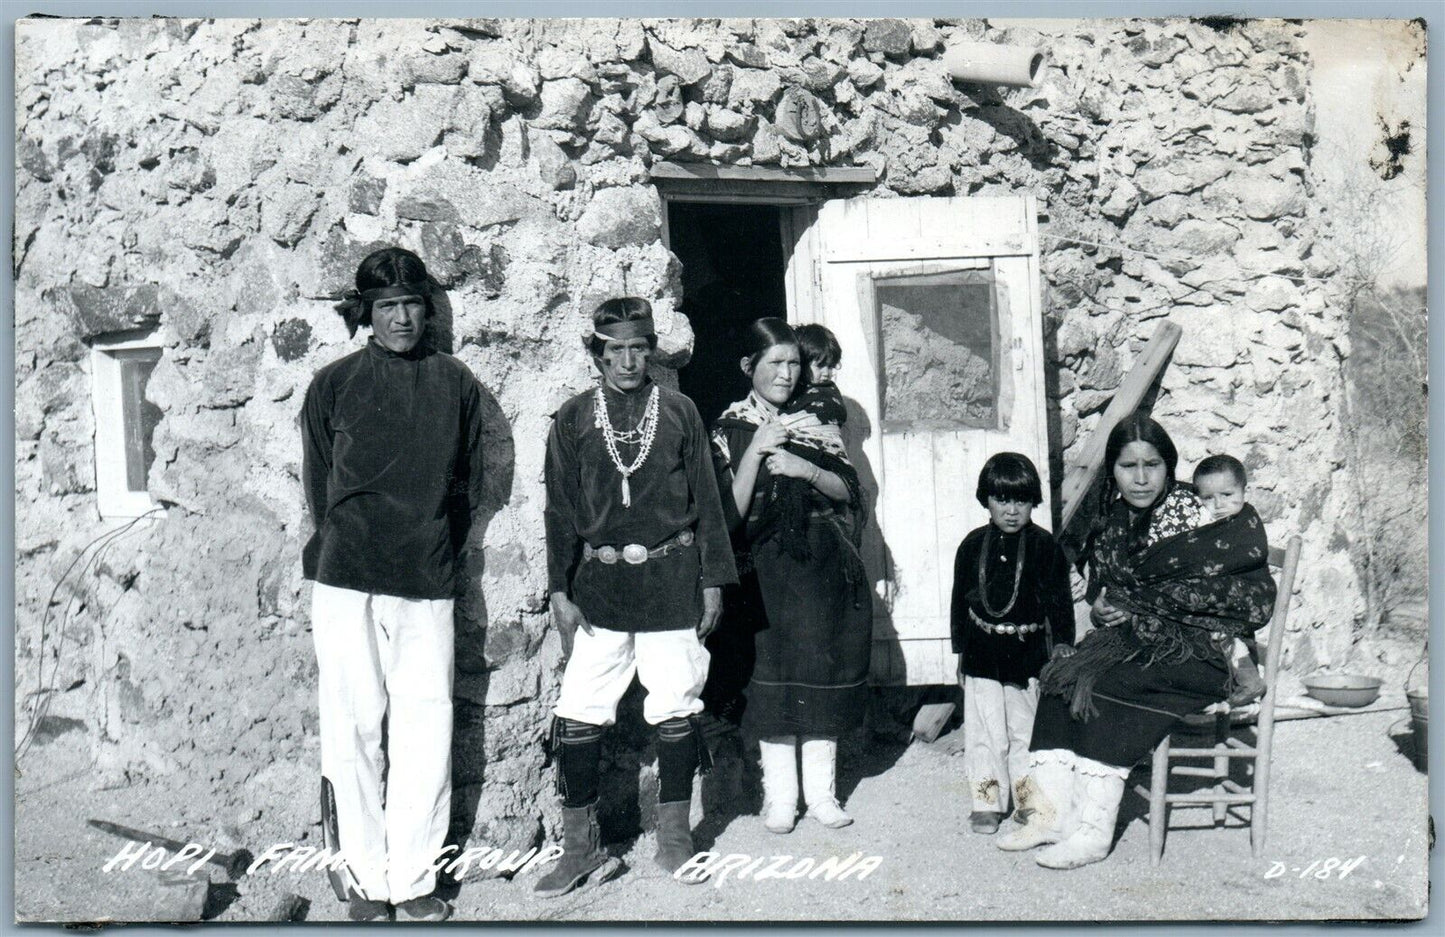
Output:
(1178, 591)
(788, 503)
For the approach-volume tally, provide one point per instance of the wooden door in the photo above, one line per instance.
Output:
(936, 304)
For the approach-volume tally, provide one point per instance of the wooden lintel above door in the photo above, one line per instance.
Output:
(766, 184)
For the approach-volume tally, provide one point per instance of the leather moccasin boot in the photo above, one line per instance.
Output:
(820, 762)
(674, 840)
(1098, 790)
(583, 861)
(1044, 797)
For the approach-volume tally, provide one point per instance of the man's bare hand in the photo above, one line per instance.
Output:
(568, 618)
(711, 610)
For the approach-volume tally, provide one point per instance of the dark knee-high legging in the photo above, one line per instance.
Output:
(678, 757)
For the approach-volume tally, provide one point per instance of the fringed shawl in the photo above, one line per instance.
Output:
(1177, 591)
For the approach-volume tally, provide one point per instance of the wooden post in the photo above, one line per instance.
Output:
(1079, 476)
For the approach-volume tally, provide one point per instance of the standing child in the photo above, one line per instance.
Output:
(1220, 481)
(1011, 612)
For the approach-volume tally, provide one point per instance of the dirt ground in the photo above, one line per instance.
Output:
(1346, 795)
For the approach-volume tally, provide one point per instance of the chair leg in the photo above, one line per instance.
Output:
(1259, 813)
(1221, 765)
(1158, 805)
(1221, 771)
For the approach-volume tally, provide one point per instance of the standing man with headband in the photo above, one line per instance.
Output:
(637, 553)
(392, 466)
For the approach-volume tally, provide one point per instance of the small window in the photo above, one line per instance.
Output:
(939, 347)
(125, 421)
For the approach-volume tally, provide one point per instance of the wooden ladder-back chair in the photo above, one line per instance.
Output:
(1226, 792)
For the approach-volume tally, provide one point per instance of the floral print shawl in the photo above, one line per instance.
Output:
(1178, 590)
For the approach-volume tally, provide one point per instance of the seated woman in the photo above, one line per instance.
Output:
(805, 605)
(1163, 577)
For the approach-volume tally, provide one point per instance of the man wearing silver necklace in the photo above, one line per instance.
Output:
(637, 553)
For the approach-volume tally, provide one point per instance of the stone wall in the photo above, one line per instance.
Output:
(221, 179)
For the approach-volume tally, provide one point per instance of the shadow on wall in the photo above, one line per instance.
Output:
(474, 657)
(439, 332)
(877, 558)
(990, 108)
(1053, 423)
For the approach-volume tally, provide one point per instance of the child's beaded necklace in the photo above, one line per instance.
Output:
(983, 577)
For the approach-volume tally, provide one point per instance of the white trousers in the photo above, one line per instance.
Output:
(672, 666)
(998, 720)
(384, 656)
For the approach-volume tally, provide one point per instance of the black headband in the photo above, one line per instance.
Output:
(627, 329)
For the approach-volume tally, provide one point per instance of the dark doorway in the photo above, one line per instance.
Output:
(732, 273)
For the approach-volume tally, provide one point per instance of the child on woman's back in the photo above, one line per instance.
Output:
(1221, 482)
(1011, 601)
(820, 397)
(815, 415)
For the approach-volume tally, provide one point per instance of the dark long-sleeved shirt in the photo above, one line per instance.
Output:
(1043, 595)
(673, 490)
(392, 465)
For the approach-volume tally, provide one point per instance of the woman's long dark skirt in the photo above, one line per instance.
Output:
(810, 675)
(1138, 705)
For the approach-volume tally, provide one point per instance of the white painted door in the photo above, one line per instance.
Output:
(936, 304)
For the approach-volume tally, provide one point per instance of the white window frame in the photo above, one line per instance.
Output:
(114, 497)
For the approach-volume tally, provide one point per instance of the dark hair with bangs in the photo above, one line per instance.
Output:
(819, 345)
(1010, 476)
(1220, 465)
(392, 266)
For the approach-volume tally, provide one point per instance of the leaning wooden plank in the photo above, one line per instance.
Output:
(1079, 477)
(931, 719)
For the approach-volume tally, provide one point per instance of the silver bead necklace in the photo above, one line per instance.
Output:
(641, 435)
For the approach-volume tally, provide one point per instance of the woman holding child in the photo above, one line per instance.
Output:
(795, 510)
(1171, 588)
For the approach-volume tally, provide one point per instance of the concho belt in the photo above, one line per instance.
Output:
(635, 553)
(1004, 627)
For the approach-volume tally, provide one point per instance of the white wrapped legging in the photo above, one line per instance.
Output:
(381, 656)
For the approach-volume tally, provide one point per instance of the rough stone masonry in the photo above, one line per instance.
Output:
(220, 179)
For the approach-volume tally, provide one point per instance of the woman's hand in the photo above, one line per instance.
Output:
(785, 463)
(1106, 615)
(768, 438)
(827, 483)
(1064, 650)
